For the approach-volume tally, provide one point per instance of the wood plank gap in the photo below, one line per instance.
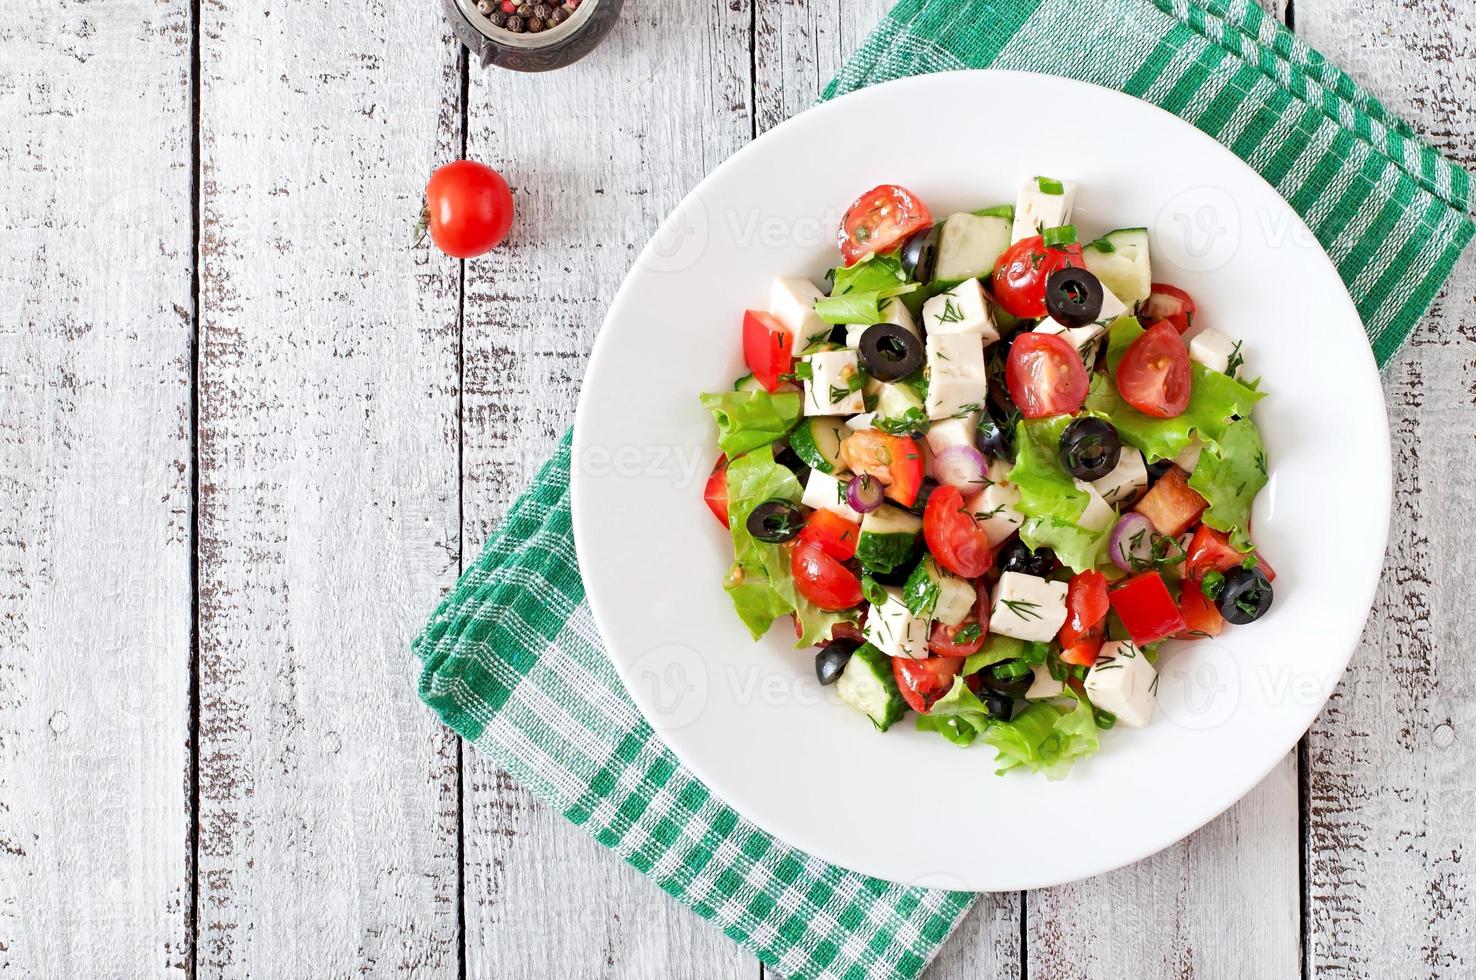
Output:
(1304, 849)
(192, 913)
(464, 67)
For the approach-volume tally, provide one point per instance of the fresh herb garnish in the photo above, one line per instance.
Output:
(1212, 585)
(1236, 360)
(1059, 237)
(951, 312)
(968, 633)
(1102, 245)
(1022, 608)
(1050, 186)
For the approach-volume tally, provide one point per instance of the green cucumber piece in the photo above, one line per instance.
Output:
(868, 685)
(969, 246)
(1120, 259)
(747, 383)
(817, 441)
(1005, 211)
(889, 536)
(894, 400)
(937, 594)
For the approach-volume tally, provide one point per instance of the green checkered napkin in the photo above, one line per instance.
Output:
(512, 660)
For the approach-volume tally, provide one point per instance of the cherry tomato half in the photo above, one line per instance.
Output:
(768, 348)
(1045, 375)
(879, 221)
(897, 461)
(469, 209)
(1210, 551)
(716, 491)
(944, 641)
(835, 535)
(1086, 607)
(924, 682)
(1202, 618)
(953, 536)
(1169, 303)
(1153, 375)
(823, 580)
(1020, 274)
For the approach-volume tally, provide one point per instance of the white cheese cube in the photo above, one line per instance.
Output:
(1086, 340)
(1044, 687)
(831, 374)
(895, 631)
(1035, 210)
(826, 492)
(893, 311)
(1027, 607)
(957, 382)
(1112, 307)
(862, 422)
(953, 432)
(1099, 515)
(1213, 349)
(792, 303)
(1188, 457)
(994, 511)
(999, 470)
(962, 309)
(1123, 682)
(956, 598)
(1127, 479)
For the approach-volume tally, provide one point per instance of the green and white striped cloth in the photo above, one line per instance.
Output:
(512, 660)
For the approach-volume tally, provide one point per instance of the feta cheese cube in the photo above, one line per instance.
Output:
(1099, 515)
(999, 470)
(957, 382)
(826, 492)
(954, 599)
(1213, 349)
(1035, 210)
(1086, 339)
(1027, 607)
(1112, 307)
(1123, 682)
(1127, 479)
(862, 422)
(953, 432)
(1044, 687)
(1188, 457)
(893, 311)
(962, 309)
(994, 511)
(895, 631)
(792, 303)
(831, 374)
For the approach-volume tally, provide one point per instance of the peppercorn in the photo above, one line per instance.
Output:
(515, 24)
(485, 7)
(542, 11)
(499, 19)
(525, 10)
(558, 17)
(535, 25)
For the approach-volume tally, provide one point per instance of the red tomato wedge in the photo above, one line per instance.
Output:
(924, 682)
(1201, 617)
(879, 221)
(835, 535)
(944, 641)
(1020, 275)
(1147, 609)
(1153, 375)
(1171, 304)
(1210, 551)
(716, 491)
(1086, 607)
(1045, 376)
(952, 535)
(1172, 506)
(897, 461)
(1082, 654)
(768, 348)
(823, 580)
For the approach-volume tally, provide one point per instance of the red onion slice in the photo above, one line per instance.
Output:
(961, 467)
(1131, 543)
(865, 493)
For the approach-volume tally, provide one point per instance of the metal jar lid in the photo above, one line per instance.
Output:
(544, 51)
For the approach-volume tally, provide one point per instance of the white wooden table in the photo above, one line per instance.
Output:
(249, 433)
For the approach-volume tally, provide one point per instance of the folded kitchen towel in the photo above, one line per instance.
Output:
(512, 660)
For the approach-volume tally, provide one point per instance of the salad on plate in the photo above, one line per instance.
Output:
(988, 471)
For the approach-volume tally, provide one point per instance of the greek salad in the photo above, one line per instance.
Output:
(988, 469)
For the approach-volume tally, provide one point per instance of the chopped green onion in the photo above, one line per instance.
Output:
(1064, 235)
(1011, 669)
(1105, 720)
(1035, 652)
(1048, 185)
(1103, 245)
(1212, 585)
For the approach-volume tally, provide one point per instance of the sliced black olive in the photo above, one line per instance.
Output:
(1015, 557)
(1245, 595)
(919, 254)
(999, 706)
(923, 493)
(774, 521)
(838, 334)
(790, 460)
(1006, 678)
(996, 438)
(831, 661)
(1090, 449)
(889, 352)
(1073, 297)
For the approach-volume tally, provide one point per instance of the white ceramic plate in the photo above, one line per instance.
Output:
(750, 719)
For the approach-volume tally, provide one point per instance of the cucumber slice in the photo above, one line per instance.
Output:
(895, 398)
(1120, 259)
(817, 441)
(969, 246)
(747, 383)
(889, 536)
(868, 685)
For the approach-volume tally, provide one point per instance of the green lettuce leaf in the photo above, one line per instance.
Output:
(760, 583)
(958, 716)
(997, 648)
(1229, 476)
(1213, 401)
(749, 419)
(858, 294)
(1049, 498)
(1045, 738)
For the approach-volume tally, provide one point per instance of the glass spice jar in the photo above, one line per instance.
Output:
(531, 35)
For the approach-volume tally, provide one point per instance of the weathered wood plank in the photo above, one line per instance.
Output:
(95, 469)
(1390, 794)
(597, 155)
(328, 513)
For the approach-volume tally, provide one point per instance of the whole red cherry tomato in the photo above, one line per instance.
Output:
(468, 208)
